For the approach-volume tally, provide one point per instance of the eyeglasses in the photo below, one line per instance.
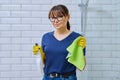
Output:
(60, 18)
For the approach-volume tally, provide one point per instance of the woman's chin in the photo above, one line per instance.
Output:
(57, 27)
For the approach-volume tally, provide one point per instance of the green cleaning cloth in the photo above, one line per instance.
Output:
(76, 54)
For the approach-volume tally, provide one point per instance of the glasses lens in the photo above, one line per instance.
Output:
(52, 19)
(60, 18)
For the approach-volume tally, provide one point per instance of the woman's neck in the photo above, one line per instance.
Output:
(61, 34)
(62, 31)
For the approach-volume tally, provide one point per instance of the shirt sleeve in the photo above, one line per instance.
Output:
(43, 43)
(84, 51)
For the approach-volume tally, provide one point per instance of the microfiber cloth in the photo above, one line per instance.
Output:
(76, 54)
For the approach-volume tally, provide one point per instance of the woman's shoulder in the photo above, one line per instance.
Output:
(47, 34)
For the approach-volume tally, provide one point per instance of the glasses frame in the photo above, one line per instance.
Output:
(53, 19)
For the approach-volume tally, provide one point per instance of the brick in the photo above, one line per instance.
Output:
(107, 21)
(115, 40)
(41, 27)
(20, 14)
(20, 40)
(104, 67)
(5, 1)
(31, 7)
(61, 1)
(10, 20)
(83, 78)
(116, 67)
(5, 54)
(104, 27)
(21, 1)
(41, 2)
(8, 47)
(109, 74)
(23, 54)
(31, 20)
(110, 60)
(101, 2)
(46, 7)
(102, 53)
(10, 33)
(21, 67)
(94, 21)
(109, 47)
(29, 74)
(28, 60)
(101, 78)
(92, 14)
(73, 8)
(75, 14)
(45, 21)
(95, 47)
(39, 78)
(34, 67)
(96, 9)
(95, 73)
(101, 41)
(94, 60)
(115, 28)
(5, 40)
(94, 34)
(5, 68)
(31, 34)
(115, 54)
(5, 27)
(9, 7)
(39, 14)
(4, 78)
(4, 13)
(10, 61)
(20, 27)
(109, 7)
(26, 47)
(76, 21)
(10, 74)
(20, 78)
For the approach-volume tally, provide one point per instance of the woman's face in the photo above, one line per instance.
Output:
(59, 21)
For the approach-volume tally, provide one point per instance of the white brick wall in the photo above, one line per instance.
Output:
(23, 22)
(103, 44)
(117, 68)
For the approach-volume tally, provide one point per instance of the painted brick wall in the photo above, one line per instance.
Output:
(23, 22)
(118, 31)
(103, 40)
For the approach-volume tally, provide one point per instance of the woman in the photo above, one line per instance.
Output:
(54, 45)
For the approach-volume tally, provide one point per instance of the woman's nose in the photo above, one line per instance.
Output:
(56, 21)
